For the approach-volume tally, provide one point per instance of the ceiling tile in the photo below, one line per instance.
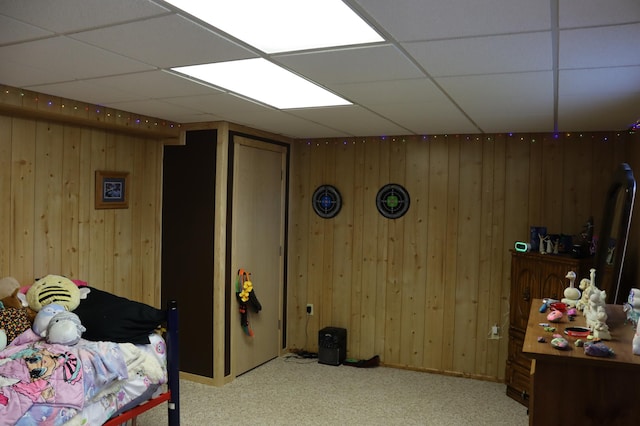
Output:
(12, 31)
(390, 91)
(352, 65)
(218, 104)
(154, 108)
(592, 97)
(21, 75)
(484, 55)
(419, 20)
(284, 123)
(581, 13)
(503, 100)
(69, 57)
(146, 84)
(165, 42)
(351, 121)
(427, 117)
(85, 91)
(63, 16)
(600, 47)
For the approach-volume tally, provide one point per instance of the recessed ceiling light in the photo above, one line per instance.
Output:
(265, 82)
(284, 25)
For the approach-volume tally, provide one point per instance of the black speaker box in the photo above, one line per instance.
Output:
(332, 345)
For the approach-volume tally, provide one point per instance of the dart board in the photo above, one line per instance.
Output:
(392, 201)
(326, 201)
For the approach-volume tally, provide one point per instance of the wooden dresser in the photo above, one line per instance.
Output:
(533, 276)
(569, 387)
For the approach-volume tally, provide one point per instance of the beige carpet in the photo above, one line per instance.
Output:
(292, 391)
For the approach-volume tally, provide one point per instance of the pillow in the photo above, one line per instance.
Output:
(14, 322)
(53, 289)
(108, 317)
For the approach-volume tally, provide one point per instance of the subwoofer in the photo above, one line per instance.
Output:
(332, 345)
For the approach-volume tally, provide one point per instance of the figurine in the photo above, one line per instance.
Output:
(601, 329)
(595, 314)
(543, 240)
(571, 294)
(585, 286)
(632, 306)
(549, 245)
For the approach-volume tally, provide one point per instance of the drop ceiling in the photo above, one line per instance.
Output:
(445, 66)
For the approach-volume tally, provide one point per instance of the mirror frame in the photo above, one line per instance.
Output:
(623, 184)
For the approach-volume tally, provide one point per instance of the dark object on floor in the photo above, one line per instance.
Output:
(363, 363)
(332, 345)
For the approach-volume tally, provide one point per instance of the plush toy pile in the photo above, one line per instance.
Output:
(45, 307)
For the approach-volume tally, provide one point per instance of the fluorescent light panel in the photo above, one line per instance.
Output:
(265, 82)
(275, 26)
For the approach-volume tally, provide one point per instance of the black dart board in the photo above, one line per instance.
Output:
(326, 201)
(392, 201)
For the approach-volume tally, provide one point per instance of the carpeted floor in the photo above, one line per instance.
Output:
(292, 391)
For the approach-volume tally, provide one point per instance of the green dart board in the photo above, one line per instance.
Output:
(392, 201)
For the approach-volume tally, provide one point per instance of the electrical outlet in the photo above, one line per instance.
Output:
(495, 332)
(309, 309)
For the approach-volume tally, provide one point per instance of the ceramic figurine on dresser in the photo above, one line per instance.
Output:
(592, 303)
(571, 294)
(632, 306)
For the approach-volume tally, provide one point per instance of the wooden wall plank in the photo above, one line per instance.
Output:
(343, 225)
(301, 193)
(414, 258)
(395, 279)
(357, 295)
(70, 220)
(381, 265)
(5, 188)
(470, 196)
(451, 259)
(369, 343)
(48, 199)
(436, 224)
(22, 199)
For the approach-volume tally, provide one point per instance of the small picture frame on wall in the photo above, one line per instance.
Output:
(112, 190)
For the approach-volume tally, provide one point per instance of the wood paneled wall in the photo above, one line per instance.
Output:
(48, 224)
(423, 291)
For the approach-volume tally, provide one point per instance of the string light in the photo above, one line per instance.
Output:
(53, 105)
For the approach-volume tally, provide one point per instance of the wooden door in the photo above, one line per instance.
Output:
(258, 221)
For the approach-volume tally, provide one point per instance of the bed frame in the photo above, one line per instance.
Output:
(172, 395)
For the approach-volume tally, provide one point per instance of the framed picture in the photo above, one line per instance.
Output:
(112, 190)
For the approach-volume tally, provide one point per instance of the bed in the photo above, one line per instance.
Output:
(95, 381)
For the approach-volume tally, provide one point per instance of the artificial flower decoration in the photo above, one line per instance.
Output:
(246, 296)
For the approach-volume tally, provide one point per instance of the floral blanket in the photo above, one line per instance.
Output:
(41, 377)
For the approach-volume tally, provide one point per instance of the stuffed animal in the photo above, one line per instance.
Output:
(8, 286)
(65, 328)
(41, 322)
(53, 289)
(14, 318)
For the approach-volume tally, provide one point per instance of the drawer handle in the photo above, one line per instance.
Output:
(525, 395)
(526, 296)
